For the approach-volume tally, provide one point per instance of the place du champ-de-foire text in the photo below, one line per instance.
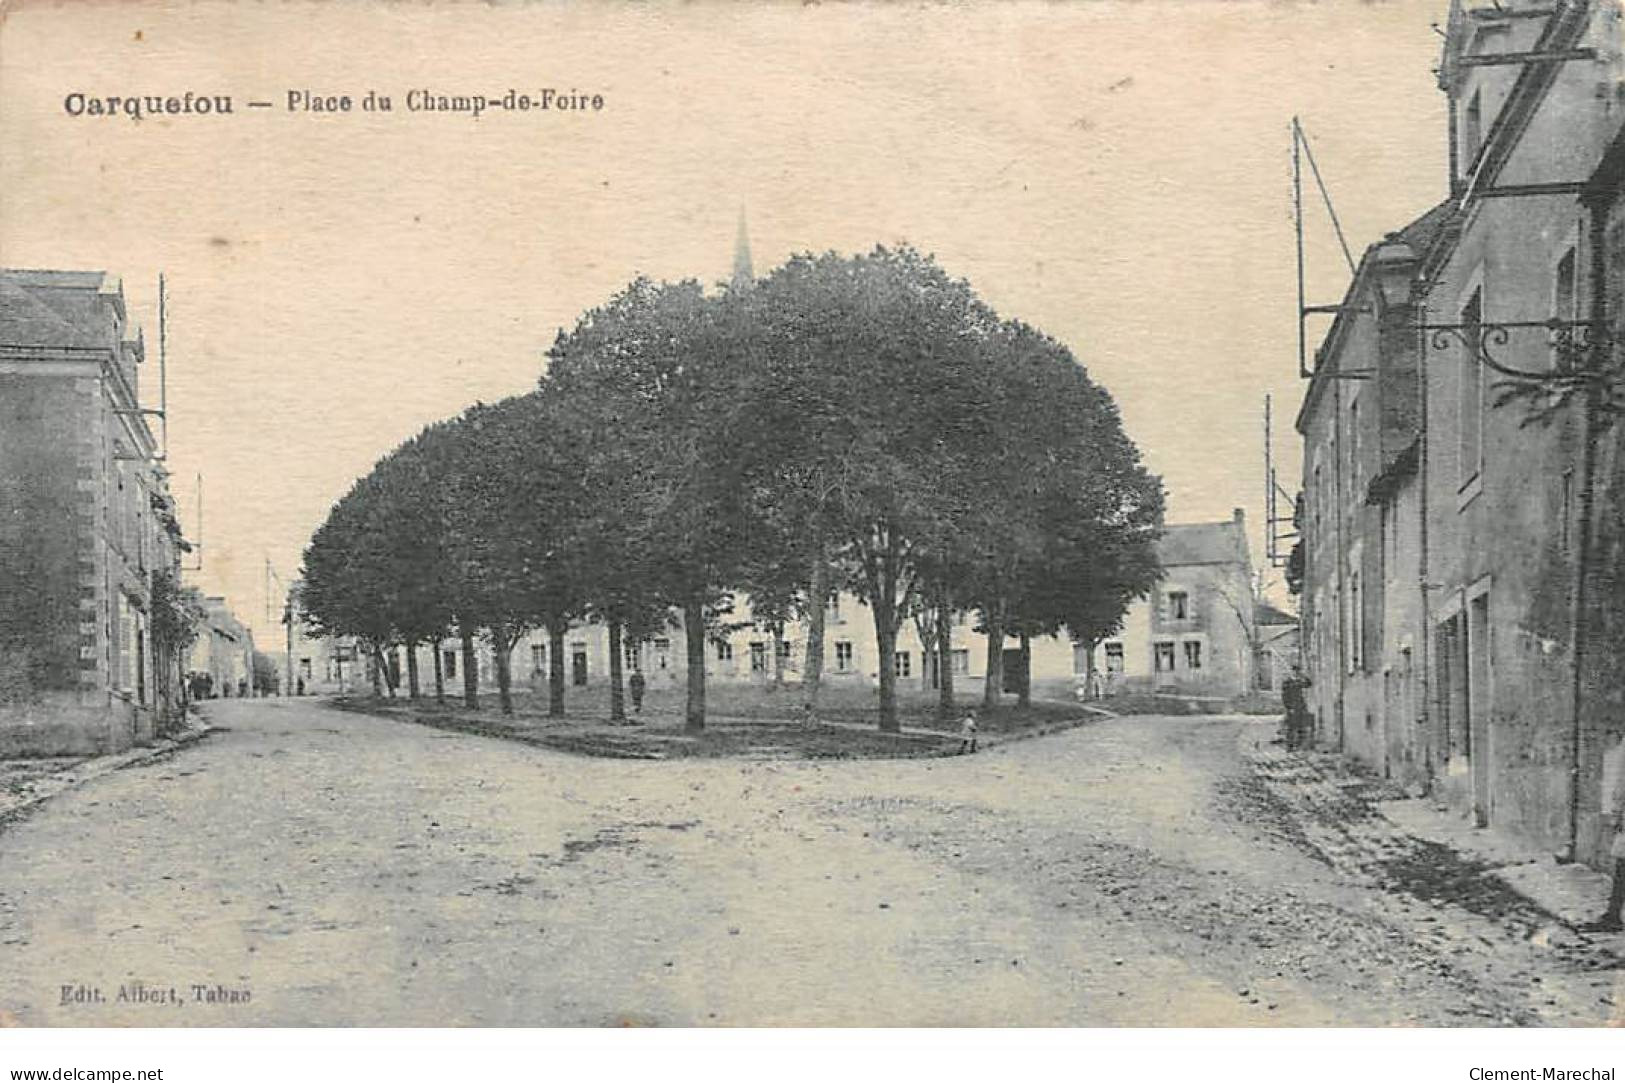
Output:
(320, 103)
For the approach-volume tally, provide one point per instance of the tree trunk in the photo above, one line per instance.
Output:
(617, 692)
(439, 673)
(387, 670)
(884, 608)
(995, 660)
(375, 664)
(1024, 679)
(412, 689)
(945, 662)
(502, 656)
(694, 638)
(555, 669)
(471, 671)
(778, 656)
(812, 672)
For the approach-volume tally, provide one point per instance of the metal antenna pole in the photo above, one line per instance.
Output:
(163, 367)
(1297, 225)
(1269, 488)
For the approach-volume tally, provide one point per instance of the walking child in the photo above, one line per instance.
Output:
(967, 733)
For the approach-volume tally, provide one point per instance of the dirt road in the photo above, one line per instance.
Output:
(305, 866)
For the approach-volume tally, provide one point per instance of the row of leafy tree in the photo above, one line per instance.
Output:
(863, 424)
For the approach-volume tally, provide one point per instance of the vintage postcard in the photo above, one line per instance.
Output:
(780, 515)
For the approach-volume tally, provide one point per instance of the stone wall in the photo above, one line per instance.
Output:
(46, 533)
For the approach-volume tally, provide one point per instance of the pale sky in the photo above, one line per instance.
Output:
(1117, 174)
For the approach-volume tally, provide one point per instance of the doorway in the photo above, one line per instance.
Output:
(1480, 697)
(578, 666)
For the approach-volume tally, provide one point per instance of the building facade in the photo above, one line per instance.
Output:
(221, 662)
(738, 651)
(87, 524)
(1195, 635)
(1459, 475)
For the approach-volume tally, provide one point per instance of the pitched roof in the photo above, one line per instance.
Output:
(1202, 543)
(1427, 228)
(1267, 615)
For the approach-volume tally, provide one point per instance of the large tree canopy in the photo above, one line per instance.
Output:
(859, 423)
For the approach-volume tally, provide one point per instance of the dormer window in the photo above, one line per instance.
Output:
(1179, 605)
(1472, 131)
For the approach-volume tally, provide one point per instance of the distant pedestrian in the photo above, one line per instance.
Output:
(1296, 705)
(1613, 819)
(967, 733)
(636, 684)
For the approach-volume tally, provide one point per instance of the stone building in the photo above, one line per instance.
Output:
(1195, 635)
(1198, 628)
(223, 652)
(87, 524)
(740, 652)
(1278, 647)
(1458, 479)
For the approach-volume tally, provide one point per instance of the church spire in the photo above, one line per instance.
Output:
(744, 275)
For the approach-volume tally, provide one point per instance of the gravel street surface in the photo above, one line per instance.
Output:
(305, 866)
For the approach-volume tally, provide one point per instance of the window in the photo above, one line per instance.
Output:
(141, 659)
(903, 664)
(843, 657)
(538, 657)
(961, 662)
(1179, 605)
(786, 649)
(304, 668)
(1353, 445)
(1193, 654)
(1163, 657)
(1318, 503)
(725, 651)
(662, 654)
(1472, 131)
(1565, 307)
(448, 661)
(1565, 511)
(1356, 625)
(758, 657)
(1470, 392)
(834, 614)
(1114, 658)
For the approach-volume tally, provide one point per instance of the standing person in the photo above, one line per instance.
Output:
(967, 733)
(1297, 708)
(636, 684)
(1613, 815)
